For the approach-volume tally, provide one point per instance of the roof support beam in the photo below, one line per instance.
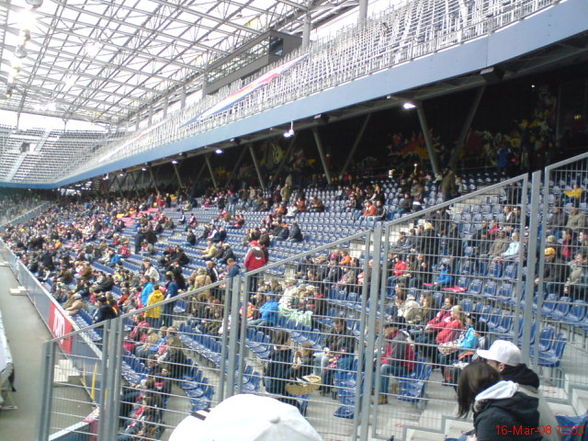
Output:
(319, 147)
(427, 136)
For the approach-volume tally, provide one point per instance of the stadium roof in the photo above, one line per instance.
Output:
(103, 60)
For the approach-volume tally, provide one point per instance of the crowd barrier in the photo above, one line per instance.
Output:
(218, 349)
(80, 357)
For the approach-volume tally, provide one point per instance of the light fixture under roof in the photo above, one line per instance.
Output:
(408, 106)
(34, 3)
(290, 133)
(20, 52)
(218, 151)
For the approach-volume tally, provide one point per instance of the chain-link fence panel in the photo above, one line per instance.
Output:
(562, 279)
(303, 329)
(451, 283)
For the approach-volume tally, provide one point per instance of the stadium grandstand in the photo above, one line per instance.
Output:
(346, 206)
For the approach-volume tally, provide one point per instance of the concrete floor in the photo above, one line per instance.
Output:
(26, 334)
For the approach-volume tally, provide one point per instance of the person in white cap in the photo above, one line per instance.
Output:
(506, 358)
(247, 417)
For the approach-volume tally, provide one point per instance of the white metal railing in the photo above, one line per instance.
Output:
(417, 29)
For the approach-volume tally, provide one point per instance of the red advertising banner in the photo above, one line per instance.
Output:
(60, 325)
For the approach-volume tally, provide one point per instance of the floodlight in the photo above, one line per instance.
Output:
(408, 106)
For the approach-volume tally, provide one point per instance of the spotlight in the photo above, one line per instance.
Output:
(34, 3)
(143, 169)
(20, 52)
(218, 151)
(290, 133)
(121, 174)
(532, 86)
(174, 162)
(408, 106)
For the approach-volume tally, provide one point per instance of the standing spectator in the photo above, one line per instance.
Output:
(154, 314)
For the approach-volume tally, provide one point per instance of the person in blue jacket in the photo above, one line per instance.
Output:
(268, 313)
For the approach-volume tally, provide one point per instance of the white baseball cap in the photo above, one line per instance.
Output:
(247, 417)
(502, 351)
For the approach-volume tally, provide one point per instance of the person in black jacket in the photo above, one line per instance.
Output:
(104, 311)
(506, 358)
(501, 410)
(278, 371)
(295, 233)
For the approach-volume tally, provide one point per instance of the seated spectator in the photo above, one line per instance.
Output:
(268, 313)
(505, 357)
(103, 310)
(316, 205)
(210, 252)
(191, 237)
(407, 307)
(443, 279)
(576, 220)
(74, 305)
(496, 403)
(295, 234)
(397, 359)
(576, 286)
(512, 250)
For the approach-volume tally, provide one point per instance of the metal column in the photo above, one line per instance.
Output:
(47, 393)
(237, 165)
(356, 143)
(256, 165)
(153, 178)
(362, 16)
(175, 166)
(306, 30)
(427, 136)
(207, 160)
(531, 263)
(370, 300)
(319, 146)
(459, 145)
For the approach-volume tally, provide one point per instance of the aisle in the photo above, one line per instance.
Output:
(26, 333)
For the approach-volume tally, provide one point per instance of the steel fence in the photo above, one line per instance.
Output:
(366, 335)
(562, 282)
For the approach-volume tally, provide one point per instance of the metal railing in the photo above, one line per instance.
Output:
(419, 28)
(562, 285)
(315, 330)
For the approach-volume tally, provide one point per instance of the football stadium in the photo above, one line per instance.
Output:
(294, 220)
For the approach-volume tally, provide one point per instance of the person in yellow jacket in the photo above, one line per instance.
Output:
(153, 315)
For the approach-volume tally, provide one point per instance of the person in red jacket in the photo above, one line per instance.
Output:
(453, 327)
(426, 339)
(256, 257)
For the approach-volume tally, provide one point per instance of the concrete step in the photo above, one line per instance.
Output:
(422, 435)
(580, 401)
(455, 428)
(64, 369)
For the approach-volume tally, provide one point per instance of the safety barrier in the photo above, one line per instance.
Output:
(341, 331)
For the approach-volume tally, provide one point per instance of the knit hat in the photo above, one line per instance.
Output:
(247, 417)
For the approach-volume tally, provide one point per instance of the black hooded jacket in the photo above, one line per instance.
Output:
(507, 415)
